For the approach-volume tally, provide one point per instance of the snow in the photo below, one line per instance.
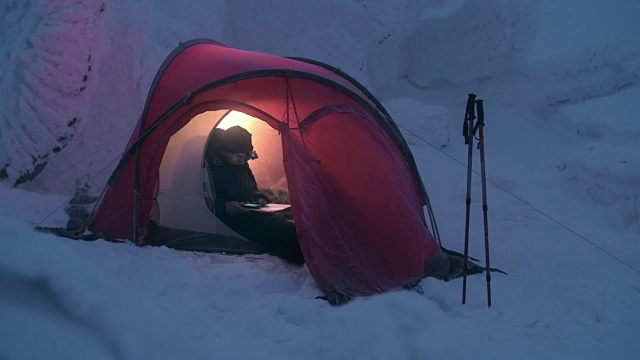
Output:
(560, 84)
(54, 90)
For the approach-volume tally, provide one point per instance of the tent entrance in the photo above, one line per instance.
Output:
(181, 209)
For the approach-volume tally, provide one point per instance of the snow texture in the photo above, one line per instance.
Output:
(560, 80)
(53, 51)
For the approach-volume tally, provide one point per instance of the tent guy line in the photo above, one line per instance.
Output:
(549, 217)
(90, 180)
(117, 138)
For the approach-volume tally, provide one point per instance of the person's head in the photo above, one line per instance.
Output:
(235, 145)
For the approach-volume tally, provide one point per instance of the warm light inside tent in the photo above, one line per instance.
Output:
(236, 118)
(180, 179)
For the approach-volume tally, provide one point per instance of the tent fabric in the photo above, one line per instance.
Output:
(357, 198)
(360, 198)
(180, 184)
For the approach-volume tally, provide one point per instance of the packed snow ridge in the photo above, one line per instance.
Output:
(50, 59)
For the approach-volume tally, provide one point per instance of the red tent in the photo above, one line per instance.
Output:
(357, 198)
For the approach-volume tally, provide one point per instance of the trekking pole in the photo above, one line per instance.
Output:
(485, 208)
(467, 132)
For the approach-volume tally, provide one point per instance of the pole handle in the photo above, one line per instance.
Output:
(480, 106)
(469, 116)
(480, 122)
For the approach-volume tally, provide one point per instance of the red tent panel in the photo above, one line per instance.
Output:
(267, 94)
(202, 64)
(361, 221)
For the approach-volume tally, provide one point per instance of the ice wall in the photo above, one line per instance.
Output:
(75, 78)
(50, 55)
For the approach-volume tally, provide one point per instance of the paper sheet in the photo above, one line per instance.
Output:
(272, 207)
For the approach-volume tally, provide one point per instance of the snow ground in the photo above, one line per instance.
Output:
(560, 84)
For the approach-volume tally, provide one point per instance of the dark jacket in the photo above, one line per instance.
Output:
(232, 182)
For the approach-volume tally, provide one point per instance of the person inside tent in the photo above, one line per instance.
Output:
(235, 185)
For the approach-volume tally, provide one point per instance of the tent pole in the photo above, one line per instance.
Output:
(467, 132)
(136, 193)
(135, 201)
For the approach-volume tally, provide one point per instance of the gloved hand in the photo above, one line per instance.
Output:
(234, 208)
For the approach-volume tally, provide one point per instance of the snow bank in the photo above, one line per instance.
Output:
(367, 40)
(422, 125)
(560, 84)
(53, 52)
(77, 299)
(379, 43)
(475, 41)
